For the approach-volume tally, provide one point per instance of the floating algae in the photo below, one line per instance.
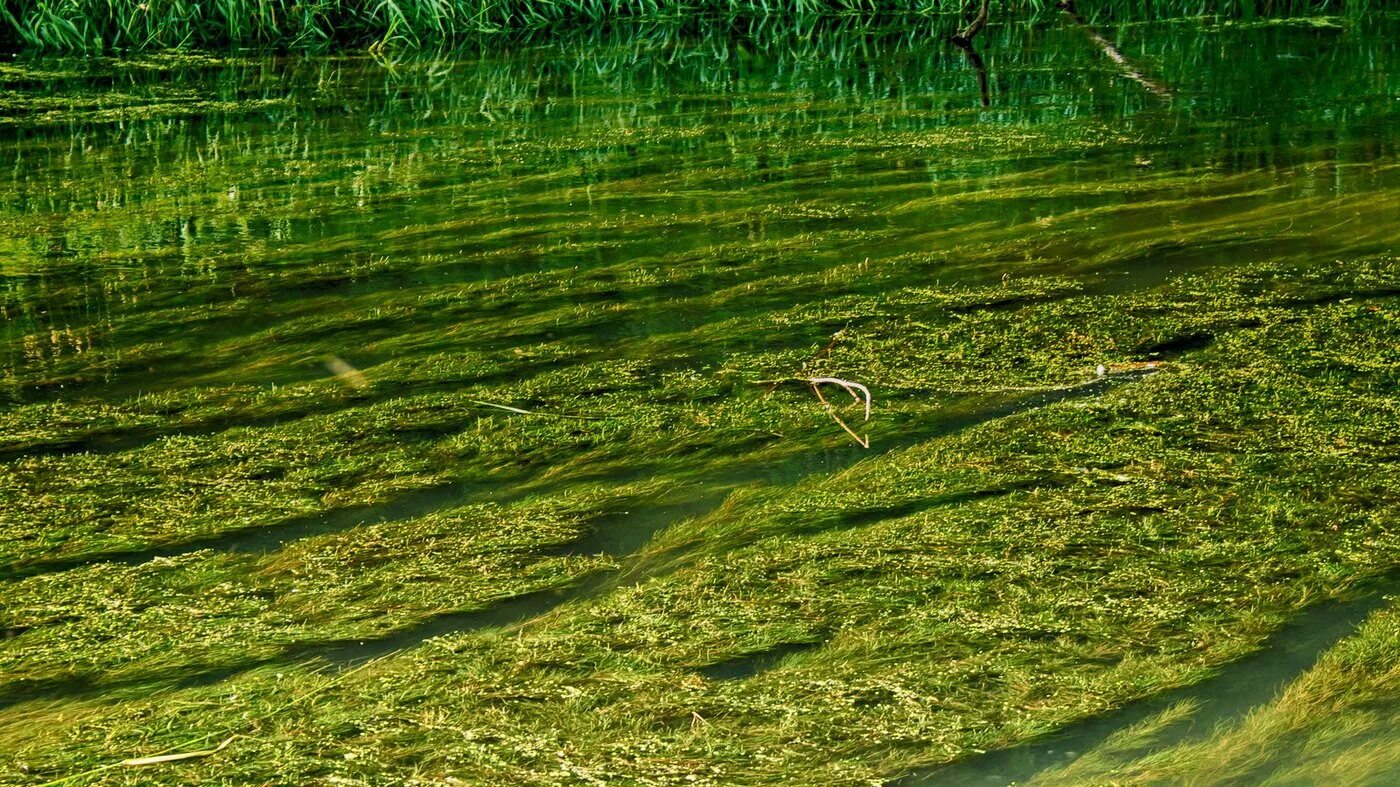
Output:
(207, 535)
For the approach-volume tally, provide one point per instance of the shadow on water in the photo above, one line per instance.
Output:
(1237, 688)
(342, 653)
(623, 534)
(755, 663)
(618, 534)
(120, 439)
(870, 516)
(501, 615)
(267, 538)
(270, 537)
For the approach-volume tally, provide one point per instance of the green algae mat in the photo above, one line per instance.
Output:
(712, 405)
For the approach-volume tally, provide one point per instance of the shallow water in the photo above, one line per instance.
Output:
(205, 259)
(1224, 699)
(171, 224)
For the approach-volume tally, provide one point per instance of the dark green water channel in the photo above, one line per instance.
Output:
(322, 357)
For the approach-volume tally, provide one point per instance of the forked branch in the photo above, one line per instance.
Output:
(857, 392)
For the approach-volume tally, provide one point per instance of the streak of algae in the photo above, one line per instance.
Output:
(1181, 518)
(1337, 724)
(1000, 565)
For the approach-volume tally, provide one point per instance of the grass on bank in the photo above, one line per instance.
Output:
(100, 25)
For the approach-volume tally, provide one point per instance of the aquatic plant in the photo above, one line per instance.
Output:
(98, 25)
(405, 565)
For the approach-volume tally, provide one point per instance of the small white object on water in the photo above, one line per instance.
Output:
(855, 390)
(850, 387)
(346, 373)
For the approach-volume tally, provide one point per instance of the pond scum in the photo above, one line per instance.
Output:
(577, 519)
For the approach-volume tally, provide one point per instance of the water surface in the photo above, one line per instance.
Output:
(252, 306)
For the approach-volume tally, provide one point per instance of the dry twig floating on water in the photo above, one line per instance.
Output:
(856, 390)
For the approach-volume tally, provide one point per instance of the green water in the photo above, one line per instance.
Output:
(314, 359)
(171, 225)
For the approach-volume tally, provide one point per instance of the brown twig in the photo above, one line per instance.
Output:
(1129, 70)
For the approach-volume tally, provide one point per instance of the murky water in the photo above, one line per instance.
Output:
(207, 262)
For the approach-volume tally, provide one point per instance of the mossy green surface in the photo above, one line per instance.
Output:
(396, 428)
(1335, 725)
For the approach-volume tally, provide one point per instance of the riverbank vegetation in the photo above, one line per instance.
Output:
(101, 25)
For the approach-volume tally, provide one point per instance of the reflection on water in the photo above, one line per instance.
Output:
(303, 260)
(168, 223)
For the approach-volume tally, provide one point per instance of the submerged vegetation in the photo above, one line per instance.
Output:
(1337, 724)
(450, 419)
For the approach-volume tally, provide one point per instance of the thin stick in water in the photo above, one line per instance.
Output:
(851, 388)
(189, 755)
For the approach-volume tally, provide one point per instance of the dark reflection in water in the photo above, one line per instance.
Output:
(262, 191)
(1239, 688)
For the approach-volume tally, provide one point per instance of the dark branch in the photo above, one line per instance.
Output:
(965, 35)
(975, 60)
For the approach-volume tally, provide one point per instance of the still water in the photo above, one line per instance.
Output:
(256, 306)
(188, 221)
